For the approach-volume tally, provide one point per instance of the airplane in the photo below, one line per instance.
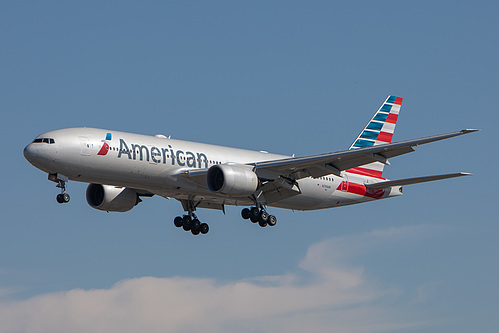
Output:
(123, 167)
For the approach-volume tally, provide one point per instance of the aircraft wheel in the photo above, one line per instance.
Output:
(65, 197)
(186, 223)
(245, 213)
(195, 231)
(178, 222)
(59, 198)
(204, 228)
(272, 220)
(264, 217)
(262, 224)
(195, 224)
(254, 213)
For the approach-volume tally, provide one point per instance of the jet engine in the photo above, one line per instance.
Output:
(111, 198)
(232, 180)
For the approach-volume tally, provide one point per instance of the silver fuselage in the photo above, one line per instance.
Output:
(155, 164)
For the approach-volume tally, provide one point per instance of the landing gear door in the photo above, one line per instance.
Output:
(85, 146)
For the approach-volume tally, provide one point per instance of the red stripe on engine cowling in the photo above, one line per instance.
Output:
(360, 189)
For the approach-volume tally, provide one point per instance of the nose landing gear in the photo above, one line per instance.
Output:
(61, 180)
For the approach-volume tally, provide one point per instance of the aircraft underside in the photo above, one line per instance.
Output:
(327, 192)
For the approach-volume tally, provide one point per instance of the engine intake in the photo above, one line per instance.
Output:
(232, 180)
(111, 198)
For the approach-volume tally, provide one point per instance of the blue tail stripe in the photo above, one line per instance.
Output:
(375, 126)
(363, 143)
(386, 108)
(369, 135)
(391, 99)
(381, 117)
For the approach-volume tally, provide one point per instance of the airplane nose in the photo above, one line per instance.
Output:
(30, 152)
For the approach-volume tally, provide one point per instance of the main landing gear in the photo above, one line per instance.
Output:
(192, 224)
(254, 214)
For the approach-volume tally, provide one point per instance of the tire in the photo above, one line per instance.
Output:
(245, 213)
(272, 220)
(254, 213)
(262, 224)
(204, 228)
(186, 223)
(264, 217)
(178, 222)
(59, 198)
(65, 197)
(195, 224)
(195, 231)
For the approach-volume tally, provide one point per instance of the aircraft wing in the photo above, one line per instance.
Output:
(287, 171)
(333, 163)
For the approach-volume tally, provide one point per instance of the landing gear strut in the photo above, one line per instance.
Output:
(61, 180)
(254, 214)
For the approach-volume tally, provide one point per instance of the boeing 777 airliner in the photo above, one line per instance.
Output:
(122, 167)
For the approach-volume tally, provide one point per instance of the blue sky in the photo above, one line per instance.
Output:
(283, 76)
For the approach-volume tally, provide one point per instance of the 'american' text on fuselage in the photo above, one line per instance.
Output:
(161, 155)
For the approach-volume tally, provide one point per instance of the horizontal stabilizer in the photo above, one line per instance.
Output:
(410, 181)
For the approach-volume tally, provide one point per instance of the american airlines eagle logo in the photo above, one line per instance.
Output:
(105, 147)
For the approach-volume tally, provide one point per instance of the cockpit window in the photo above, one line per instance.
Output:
(44, 140)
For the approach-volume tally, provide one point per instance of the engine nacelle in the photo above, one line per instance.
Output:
(111, 198)
(232, 180)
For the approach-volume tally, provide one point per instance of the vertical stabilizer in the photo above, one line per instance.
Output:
(378, 131)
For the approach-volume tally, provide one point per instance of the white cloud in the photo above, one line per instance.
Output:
(323, 296)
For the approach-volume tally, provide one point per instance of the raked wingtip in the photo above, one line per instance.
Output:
(466, 131)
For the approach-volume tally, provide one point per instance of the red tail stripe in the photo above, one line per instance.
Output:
(398, 101)
(392, 118)
(366, 172)
(385, 137)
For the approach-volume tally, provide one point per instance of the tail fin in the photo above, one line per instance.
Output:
(377, 132)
